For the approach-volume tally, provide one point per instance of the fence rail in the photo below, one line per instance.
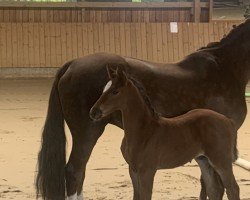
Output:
(52, 44)
(195, 11)
(74, 4)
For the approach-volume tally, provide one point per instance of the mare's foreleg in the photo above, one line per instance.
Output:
(212, 182)
(142, 183)
(203, 193)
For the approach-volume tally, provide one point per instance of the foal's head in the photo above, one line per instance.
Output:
(114, 94)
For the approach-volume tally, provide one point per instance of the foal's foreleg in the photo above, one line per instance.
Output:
(213, 184)
(142, 183)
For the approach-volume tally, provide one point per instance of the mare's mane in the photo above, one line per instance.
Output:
(144, 95)
(235, 33)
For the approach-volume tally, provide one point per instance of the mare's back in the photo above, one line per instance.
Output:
(199, 66)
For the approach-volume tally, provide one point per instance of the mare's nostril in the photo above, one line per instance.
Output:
(95, 113)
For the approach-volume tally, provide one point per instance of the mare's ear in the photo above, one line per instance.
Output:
(112, 72)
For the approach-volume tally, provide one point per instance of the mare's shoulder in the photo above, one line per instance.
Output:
(202, 64)
(200, 60)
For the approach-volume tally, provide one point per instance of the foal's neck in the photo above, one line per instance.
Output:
(136, 115)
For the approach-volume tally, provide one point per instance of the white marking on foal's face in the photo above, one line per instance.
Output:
(73, 197)
(107, 86)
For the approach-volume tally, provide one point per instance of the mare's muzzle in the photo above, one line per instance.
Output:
(95, 113)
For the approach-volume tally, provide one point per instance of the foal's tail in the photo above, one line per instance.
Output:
(235, 149)
(50, 180)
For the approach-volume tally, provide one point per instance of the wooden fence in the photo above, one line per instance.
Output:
(91, 12)
(52, 44)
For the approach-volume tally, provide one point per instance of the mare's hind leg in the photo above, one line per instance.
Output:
(142, 184)
(84, 137)
(213, 185)
(135, 183)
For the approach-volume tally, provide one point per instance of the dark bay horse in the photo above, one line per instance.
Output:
(213, 78)
(152, 142)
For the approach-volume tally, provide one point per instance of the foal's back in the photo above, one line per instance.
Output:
(201, 121)
(198, 132)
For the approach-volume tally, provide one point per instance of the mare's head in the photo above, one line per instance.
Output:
(114, 94)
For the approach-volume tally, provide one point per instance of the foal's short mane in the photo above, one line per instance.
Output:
(144, 95)
(235, 33)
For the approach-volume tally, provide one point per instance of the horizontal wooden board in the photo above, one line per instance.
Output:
(18, 4)
(103, 12)
(52, 44)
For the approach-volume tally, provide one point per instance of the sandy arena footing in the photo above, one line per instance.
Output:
(23, 106)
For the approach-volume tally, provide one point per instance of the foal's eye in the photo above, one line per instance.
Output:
(115, 92)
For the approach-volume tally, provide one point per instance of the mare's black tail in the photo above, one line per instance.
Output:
(50, 180)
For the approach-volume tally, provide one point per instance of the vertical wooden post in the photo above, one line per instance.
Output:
(211, 8)
(197, 11)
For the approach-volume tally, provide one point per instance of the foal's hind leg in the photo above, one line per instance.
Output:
(228, 179)
(232, 188)
(214, 187)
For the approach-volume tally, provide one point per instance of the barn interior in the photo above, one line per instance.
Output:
(36, 38)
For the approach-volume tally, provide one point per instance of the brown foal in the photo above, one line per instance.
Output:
(152, 142)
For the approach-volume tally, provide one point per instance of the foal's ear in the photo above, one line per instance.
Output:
(123, 78)
(112, 72)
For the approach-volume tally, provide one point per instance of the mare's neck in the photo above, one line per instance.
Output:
(235, 57)
(136, 116)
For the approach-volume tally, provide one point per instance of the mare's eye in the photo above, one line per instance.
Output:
(115, 92)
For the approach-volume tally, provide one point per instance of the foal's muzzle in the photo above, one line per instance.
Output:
(95, 113)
